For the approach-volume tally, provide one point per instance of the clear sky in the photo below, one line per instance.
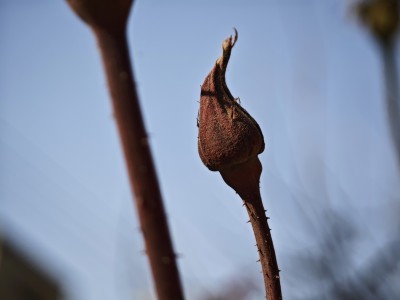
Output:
(306, 70)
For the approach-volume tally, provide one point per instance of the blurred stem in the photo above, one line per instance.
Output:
(159, 249)
(108, 20)
(388, 54)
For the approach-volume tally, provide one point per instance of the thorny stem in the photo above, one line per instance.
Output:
(244, 179)
(114, 50)
(265, 246)
(108, 19)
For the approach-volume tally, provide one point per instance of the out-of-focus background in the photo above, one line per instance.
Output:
(311, 74)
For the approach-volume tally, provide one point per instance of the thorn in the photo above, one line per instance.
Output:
(248, 221)
(257, 260)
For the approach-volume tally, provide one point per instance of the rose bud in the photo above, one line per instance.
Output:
(229, 138)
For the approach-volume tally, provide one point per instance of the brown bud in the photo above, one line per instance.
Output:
(228, 135)
(229, 138)
(229, 142)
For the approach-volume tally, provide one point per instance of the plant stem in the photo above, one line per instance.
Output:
(108, 20)
(265, 246)
(388, 54)
(244, 179)
(158, 244)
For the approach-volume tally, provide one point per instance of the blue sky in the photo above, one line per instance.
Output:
(306, 70)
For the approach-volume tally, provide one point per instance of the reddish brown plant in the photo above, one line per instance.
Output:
(107, 19)
(229, 142)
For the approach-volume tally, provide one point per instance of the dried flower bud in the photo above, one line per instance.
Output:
(229, 138)
(228, 135)
(229, 142)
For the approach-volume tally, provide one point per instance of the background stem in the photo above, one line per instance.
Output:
(388, 54)
(158, 244)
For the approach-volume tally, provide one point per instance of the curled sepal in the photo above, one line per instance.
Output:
(228, 134)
